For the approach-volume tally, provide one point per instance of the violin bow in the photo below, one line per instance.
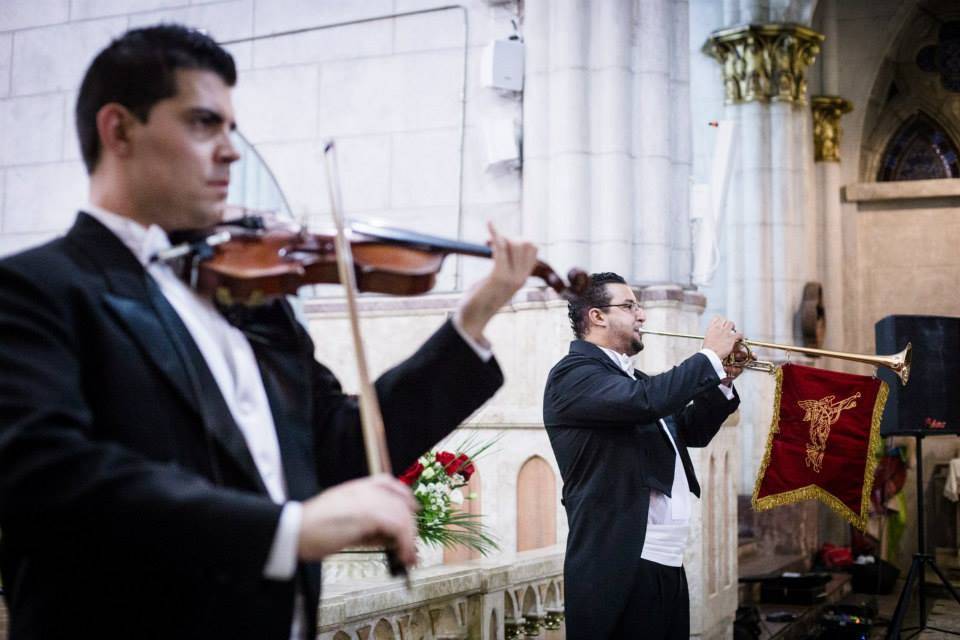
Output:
(371, 418)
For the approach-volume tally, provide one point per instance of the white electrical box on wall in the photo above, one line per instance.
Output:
(502, 65)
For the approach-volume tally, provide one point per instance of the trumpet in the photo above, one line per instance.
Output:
(899, 363)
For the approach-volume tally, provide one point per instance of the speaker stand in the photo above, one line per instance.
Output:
(921, 560)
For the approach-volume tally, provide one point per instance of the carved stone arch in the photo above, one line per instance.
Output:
(445, 621)
(920, 149)
(536, 505)
(510, 608)
(341, 635)
(518, 596)
(383, 630)
(890, 34)
(907, 31)
(552, 597)
(531, 601)
(461, 553)
(420, 628)
(898, 113)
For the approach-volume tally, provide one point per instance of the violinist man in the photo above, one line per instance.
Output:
(164, 473)
(620, 437)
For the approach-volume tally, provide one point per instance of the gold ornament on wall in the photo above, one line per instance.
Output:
(765, 62)
(826, 126)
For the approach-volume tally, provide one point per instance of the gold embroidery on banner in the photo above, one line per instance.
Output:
(812, 491)
(822, 414)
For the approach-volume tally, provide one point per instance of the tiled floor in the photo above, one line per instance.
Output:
(943, 613)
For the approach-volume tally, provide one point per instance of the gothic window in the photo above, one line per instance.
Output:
(536, 505)
(919, 150)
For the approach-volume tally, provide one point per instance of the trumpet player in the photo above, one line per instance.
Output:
(620, 437)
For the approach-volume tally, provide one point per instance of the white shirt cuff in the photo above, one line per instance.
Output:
(282, 561)
(718, 367)
(483, 351)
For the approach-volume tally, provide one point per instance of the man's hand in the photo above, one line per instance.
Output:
(721, 337)
(378, 510)
(733, 371)
(513, 262)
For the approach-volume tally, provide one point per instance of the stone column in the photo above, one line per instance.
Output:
(612, 204)
(606, 136)
(827, 111)
(768, 213)
(556, 185)
(652, 173)
(835, 262)
(764, 75)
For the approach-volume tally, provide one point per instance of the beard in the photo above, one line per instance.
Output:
(636, 346)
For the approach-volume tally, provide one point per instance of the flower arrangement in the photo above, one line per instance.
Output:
(437, 479)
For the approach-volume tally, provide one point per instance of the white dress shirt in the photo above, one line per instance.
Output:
(231, 361)
(668, 518)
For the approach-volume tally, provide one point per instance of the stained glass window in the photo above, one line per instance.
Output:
(919, 150)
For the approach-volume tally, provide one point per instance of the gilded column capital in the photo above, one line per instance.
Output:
(826, 126)
(764, 62)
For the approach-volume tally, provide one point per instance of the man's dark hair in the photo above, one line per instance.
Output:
(596, 295)
(137, 70)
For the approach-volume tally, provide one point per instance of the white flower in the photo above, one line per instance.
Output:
(427, 473)
(456, 496)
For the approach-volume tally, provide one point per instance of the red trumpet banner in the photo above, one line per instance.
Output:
(823, 441)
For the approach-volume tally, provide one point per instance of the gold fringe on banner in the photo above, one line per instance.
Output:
(815, 492)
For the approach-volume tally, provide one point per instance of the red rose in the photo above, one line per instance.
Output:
(445, 458)
(464, 466)
(455, 464)
(411, 474)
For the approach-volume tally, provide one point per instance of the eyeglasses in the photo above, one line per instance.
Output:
(631, 306)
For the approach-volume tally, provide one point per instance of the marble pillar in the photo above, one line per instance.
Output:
(835, 264)
(606, 136)
(827, 111)
(769, 216)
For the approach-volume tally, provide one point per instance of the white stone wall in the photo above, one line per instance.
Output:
(607, 136)
(528, 337)
(897, 250)
(903, 245)
(403, 99)
(711, 557)
(402, 96)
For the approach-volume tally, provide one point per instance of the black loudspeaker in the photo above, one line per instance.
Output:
(929, 402)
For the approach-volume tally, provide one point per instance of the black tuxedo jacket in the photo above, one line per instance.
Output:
(130, 506)
(603, 426)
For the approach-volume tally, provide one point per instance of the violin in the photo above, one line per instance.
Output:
(252, 259)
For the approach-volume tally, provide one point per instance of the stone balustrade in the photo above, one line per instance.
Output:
(512, 596)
